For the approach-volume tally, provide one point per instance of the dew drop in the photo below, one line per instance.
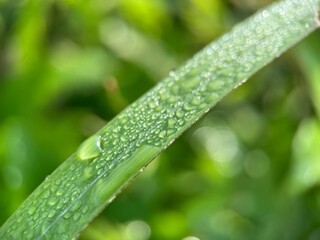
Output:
(162, 134)
(215, 85)
(179, 113)
(51, 213)
(196, 101)
(46, 194)
(75, 207)
(76, 217)
(187, 106)
(85, 210)
(59, 192)
(123, 138)
(36, 216)
(90, 148)
(53, 201)
(59, 206)
(111, 166)
(67, 215)
(53, 188)
(171, 131)
(171, 123)
(31, 210)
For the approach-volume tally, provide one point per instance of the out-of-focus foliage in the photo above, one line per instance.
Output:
(248, 170)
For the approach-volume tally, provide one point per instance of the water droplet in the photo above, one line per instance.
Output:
(187, 106)
(53, 188)
(111, 165)
(169, 132)
(59, 192)
(171, 123)
(179, 113)
(90, 148)
(153, 104)
(76, 217)
(162, 134)
(99, 165)
(116, 129)
(173, 74)
(123, 138)
(59, 206)
(75, 207)
(67, 215)
(52, 201)
(36, 216)
(196, 101)
(172, 99)
(31, 210)
(85, 209)
(215, 85)
(51, 213)
(46, 194)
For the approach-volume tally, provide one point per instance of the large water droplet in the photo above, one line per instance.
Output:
(90, 148)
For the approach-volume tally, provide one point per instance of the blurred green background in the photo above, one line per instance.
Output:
(248, 170)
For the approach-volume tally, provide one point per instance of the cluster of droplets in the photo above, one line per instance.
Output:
(54, 199)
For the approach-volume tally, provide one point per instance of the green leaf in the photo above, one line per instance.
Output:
(90, 179)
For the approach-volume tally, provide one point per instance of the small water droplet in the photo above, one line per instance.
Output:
(53, 201)
(162, 134)
(187, 106)
(59, 206)
(53, 188)
(171, 123)
(116, 129)
(123, 138)
(51, 213)
(67, 215)
(46, 194)
(215, 85)
(169, 132)
(31, 210)
(265, 14)
(111, 165)
(75, 207)
(36, 216)
(59, 192)
(76, 217)
(90, 148)
(153, 104)
(85, 210)
(179, 113)
(173, 74)
(196, 101)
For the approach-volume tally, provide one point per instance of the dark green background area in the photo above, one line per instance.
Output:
(250, 169)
